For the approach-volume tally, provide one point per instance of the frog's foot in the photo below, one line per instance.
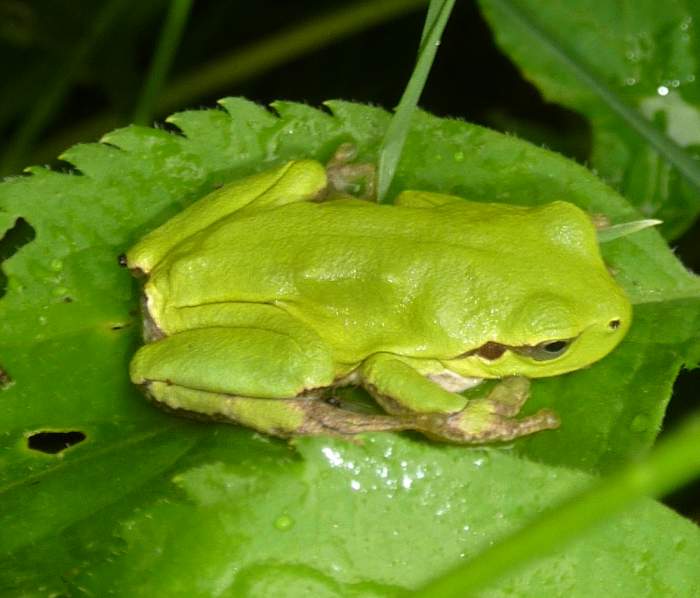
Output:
(348, 178)
(491, 418)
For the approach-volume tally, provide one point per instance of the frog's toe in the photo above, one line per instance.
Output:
(508, 396)
(479, 423)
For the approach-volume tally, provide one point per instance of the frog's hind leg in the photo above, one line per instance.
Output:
(265, 358)
(277, 417)
(253, 364)
(296, 181)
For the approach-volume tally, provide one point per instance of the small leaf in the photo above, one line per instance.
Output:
(631, 68)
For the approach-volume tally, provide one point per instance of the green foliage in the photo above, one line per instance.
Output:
(395, 137)
(150, 504)
(673, 463)
(631, 68)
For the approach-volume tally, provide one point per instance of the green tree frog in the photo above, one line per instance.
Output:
(268, 293)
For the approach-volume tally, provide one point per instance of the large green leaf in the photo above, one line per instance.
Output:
(152, 504)
(623, 65)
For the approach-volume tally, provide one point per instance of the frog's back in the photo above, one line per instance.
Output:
(375, 277)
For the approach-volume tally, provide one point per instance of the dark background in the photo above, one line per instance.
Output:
(50, 45)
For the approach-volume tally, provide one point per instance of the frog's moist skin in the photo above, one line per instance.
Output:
(268, 293)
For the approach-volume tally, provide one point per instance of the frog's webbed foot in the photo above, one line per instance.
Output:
(348, 178)
(491, 418)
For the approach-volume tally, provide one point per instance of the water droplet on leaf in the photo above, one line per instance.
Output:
(640, 423)
(284, 523)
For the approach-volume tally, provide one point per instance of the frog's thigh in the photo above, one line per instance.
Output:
(247, 361)
(400, 389)
(279, 417)
(272, 416)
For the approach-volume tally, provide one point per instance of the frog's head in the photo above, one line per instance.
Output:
(548, 334)
(555, 308)
(551, 335)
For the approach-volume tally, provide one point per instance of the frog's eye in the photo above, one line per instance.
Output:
(545, 350)
(549, 349)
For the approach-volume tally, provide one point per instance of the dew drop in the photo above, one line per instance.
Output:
(481, 460)
(662, 90)
(284, 523)
(640, 423)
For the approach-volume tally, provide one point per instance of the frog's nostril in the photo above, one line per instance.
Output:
(614, 324)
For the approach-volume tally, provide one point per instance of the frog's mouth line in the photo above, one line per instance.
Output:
(541, 352)
(490, 351)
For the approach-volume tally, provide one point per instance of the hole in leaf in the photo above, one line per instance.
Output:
(54, 442)
(12, 241)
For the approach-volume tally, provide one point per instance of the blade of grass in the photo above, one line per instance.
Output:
(675, 461)
(168, 43)
(55, 91)
(670, 150)
(395, 137)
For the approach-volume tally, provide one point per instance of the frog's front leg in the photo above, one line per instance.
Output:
(349, 177)
(441, 414)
